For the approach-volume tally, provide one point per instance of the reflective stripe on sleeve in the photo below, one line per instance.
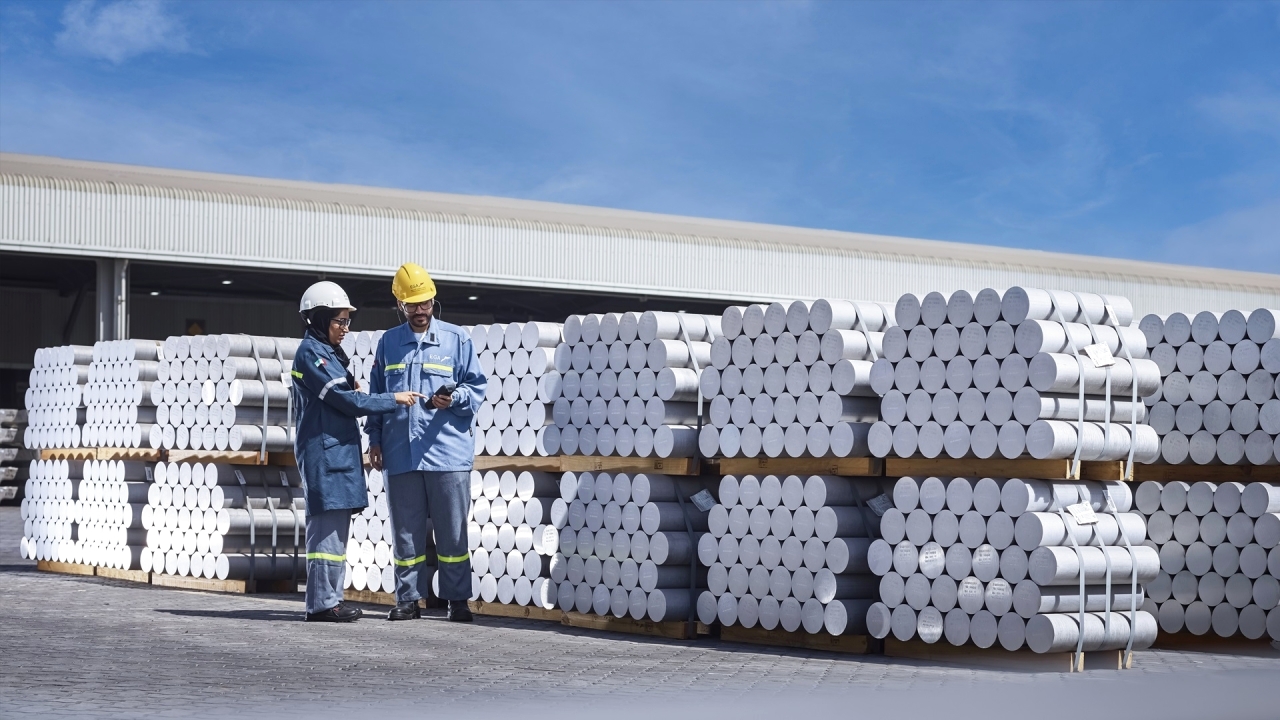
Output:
(296, 374)
(325, 390)
(396, 366)
(454, 558)
(326, 556)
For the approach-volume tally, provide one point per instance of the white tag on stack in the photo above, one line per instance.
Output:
(1083, 514)
(880, 504)
(1100, 355)
(703, 501)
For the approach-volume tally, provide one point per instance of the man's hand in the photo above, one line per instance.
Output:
(408, 397)
(375, 457)
(441, 402)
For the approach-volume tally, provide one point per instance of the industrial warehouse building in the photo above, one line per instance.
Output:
(94, 250)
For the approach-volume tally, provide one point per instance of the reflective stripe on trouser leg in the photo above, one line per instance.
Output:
(407, 501)
(326, 558)
(449, 496)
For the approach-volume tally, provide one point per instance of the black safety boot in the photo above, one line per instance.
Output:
(405, 611)
(459, 612)
(339, 613)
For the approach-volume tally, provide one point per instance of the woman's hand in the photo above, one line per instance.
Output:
(408, 397)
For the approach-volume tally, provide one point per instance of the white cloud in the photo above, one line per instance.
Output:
(1244, 239)
(121, 30)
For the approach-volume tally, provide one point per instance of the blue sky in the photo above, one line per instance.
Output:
(1137, 130)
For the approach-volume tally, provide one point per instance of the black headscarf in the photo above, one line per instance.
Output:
(318, 328)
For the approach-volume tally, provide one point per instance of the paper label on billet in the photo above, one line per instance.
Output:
(880, 504)
(703, 500)
(1083, 514)
(1100, 355)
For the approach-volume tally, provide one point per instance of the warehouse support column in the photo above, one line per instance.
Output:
(113, 299)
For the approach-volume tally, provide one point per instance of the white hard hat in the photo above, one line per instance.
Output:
(325, 294)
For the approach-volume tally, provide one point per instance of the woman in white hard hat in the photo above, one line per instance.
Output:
(327, 445)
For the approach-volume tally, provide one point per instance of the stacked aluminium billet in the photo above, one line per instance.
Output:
(111, 498)
(627, 384)
(212, 390)
(221, 521)
(119, 395)
(49, 511)
(793, 379)
(369, 544)
(790, 552)
(1219, 546)
(973, 376)
(519, 361)
(54, 397)
(986, 560)
(13, 465)
(627, 544)
(513, 536)
(1218, 401)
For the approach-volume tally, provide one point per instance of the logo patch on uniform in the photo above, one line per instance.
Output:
(320, 362)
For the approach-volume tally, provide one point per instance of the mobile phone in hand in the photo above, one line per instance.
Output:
(445, 390)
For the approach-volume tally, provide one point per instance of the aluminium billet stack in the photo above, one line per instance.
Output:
(1219, 546)
(201, 520)
(624, 548)
(626, 384)
(54, 398)
(1217, 403)
(119, 397)
(513, 537)
(49, 517)
(980, 561)
(792, 553)
(519, 361)
(361, 347)
(13, 457)
(86, 512)
(370, 541)
(1000, 373)
(210, 393)
(793, 379)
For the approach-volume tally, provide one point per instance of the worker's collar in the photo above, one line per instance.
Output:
(411, 338)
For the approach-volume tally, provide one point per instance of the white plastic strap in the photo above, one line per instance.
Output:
(1106, 427)
(684, 335)
(861, 325)
(1078, 658)
(1133, 583)
(262, 376)
(1075, 461)
(1133, 392)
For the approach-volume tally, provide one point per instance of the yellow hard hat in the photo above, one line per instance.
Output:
(412, 284)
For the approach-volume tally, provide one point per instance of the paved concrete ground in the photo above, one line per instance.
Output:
(89, 647)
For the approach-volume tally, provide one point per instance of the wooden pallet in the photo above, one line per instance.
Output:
(1213, 473)
(138, 454)
(999, 467)
(1237, 645)
(511, 610)
(224, 586)
(137, 576)
(591, 463)
(851, 644)
(1001, 659)
(675, 630)
(857, 467)
(368, 598)
(64, 568)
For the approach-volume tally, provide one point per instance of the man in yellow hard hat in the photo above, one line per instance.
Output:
(427, 450)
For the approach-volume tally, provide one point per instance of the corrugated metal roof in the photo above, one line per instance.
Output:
(54, 205)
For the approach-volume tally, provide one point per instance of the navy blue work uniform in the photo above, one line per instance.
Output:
(327, 446)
